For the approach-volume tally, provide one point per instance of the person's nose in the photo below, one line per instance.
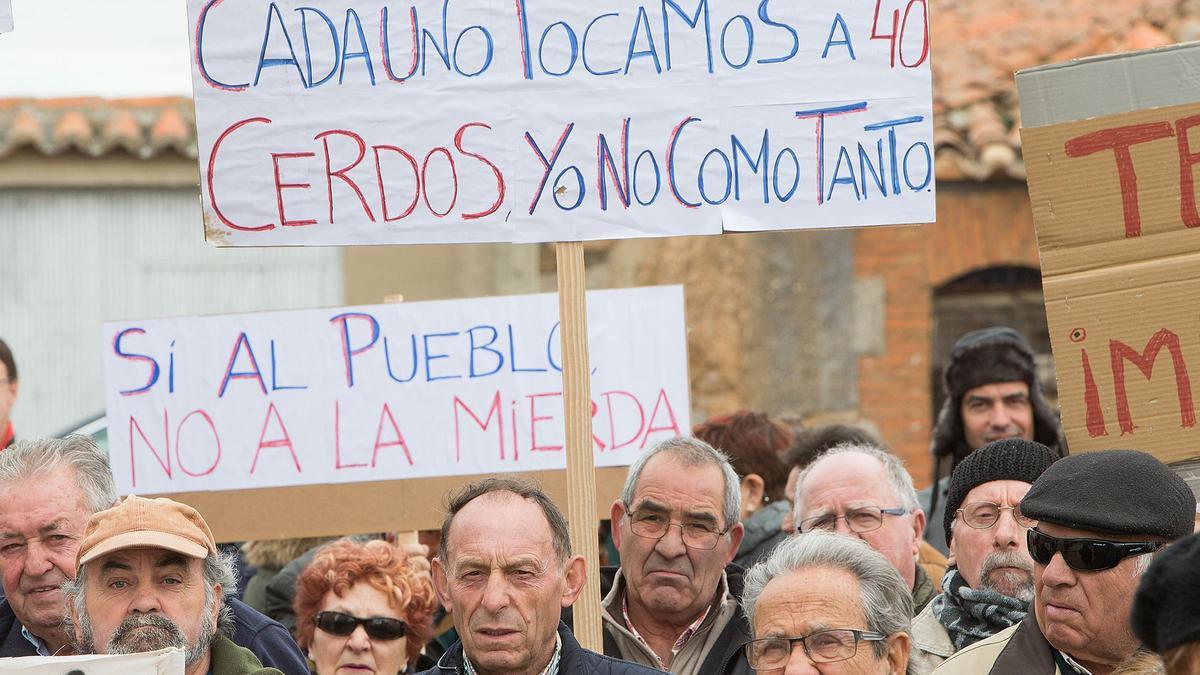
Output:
(359, 641)
(799, 663)
(1058, 573)
(1000, 417)
(495, 593)
(842, 526)
(145, 599)
(37, 559)
(1006, 533)
(671, 545)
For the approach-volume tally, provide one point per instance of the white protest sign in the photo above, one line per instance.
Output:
(376, 393)
(337, 122)
(6, 16)
(160, 662)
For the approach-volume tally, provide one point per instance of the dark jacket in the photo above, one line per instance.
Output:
(266, 639)
(763, 531)
(573, 660)
(727, 656)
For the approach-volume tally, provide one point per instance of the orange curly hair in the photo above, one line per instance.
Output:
(340, 564)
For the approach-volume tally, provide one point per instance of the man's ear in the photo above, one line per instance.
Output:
(752, 493)
(617, 513)
(735, 541)
(918, 530)
(219, 594)
(575, 575)
(898, 649)
(439, 582)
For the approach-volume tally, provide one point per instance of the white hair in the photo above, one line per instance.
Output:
(898, 479)
(692, 452)
(36, 458)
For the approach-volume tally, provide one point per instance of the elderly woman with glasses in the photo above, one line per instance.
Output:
(363, 607)
(829, 603)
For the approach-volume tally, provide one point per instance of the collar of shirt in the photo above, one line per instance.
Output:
(37, 643)
(684, 637)
(1071, 664)
(550, 669)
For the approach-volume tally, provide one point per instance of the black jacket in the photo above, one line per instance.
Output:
(727, 656)
(269, 641)
(573, 660)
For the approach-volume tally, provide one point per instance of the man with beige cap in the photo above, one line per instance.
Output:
(149, 576)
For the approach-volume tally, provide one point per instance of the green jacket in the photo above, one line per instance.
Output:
(230, 659)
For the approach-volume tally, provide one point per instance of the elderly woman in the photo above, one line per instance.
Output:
(364, 607)
(829, 602)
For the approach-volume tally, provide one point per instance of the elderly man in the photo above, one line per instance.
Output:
(865, 492)
(1101, 516)
(992, 392)
(8, 394)
(149, 577)
(674, 602)
(823, 598)
(993, 584)
(48, 490)
(505, 570)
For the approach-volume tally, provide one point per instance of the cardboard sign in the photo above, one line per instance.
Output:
(161, 662)
(384, 393)
(1114, 202)
(336, 122)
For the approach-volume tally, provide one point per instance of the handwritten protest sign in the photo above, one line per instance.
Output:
(1114, 202)
(389, 392)
(362, 121)
(160, 662)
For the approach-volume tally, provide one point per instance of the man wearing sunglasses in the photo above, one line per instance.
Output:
(992, 585)
(150, 577)
(1100, 516)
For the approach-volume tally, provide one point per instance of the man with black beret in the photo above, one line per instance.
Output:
(1166, 609)
(992, 393)
(1101, 517)
(992, 585)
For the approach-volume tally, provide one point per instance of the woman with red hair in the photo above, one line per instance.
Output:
(363, 607)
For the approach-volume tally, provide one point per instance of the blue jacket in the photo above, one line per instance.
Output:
(269, 640)
(574, 660)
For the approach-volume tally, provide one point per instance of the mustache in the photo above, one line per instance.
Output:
(123, 641)
(998, 559)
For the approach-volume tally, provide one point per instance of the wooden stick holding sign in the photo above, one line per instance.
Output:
(577, 411)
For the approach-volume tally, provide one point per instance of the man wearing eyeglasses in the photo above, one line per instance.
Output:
(863, 491)
(674, 604)
(150, 577)
(1100, 516)
(992, 585)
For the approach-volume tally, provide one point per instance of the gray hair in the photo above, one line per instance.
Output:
(35, 458)
(692, 452)
(886, 600)
(898, 478)
(560, 534)
(219, 569)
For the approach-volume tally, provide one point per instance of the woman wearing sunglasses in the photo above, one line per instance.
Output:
(362, 608)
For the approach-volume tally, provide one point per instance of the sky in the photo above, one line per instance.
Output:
(110, 48)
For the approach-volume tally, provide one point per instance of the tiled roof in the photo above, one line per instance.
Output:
(977, 46)
(143, 128)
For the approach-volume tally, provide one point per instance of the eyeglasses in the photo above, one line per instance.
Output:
(983, 515)
(1086, 555)
(377, 627)
(825, 646)
(654, 525)
(860, 520)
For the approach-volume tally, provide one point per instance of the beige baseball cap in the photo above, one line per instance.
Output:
(153, 523)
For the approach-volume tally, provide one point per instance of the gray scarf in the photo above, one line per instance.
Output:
(970, 615)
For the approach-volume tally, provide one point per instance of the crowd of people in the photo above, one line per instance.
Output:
(748, 547)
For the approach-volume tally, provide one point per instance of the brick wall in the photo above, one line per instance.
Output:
(978, 225)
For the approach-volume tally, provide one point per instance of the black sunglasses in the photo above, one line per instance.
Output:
(378, 627)
(1088, 555)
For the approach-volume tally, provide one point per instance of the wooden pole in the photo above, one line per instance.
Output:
(577, 410)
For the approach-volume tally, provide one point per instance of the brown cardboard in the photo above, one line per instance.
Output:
(352, 508)
(1121, 282)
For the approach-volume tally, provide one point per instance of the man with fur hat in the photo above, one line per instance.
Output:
(992, 585)
(992, 392)
(1101, 517)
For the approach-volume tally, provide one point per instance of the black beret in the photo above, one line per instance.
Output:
(1007, 459)
(1165, 607)
(1113, 492)
(997, 354)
